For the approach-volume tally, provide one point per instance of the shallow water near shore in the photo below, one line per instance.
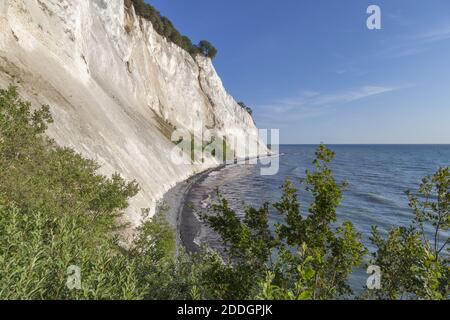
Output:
(378, 176)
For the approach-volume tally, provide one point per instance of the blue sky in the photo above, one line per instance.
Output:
(312, 69)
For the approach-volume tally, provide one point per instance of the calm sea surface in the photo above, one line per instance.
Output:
(378, 176)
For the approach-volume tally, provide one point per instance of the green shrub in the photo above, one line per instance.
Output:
(37, 249)
(56, 211)
(302, 243)
(413, 263)
(309, 256)
(207, 49)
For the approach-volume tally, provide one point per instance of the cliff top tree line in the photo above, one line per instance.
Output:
(165, 28)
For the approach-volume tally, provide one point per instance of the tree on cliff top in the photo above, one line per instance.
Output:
(207, 49)
(164, 27)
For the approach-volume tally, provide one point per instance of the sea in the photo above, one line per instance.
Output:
(377, 175)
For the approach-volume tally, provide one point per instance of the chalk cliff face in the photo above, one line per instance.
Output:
(116, 88)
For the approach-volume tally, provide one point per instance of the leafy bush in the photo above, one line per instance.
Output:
(302, 243)
(55, 212)
(413, 264)
(207, 49)
(309, 256)
(164, 27)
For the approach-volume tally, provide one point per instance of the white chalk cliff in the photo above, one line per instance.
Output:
(116, 88)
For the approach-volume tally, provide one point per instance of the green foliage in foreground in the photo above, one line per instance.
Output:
(413, 264)
(164, 27)
(314, 257)
(56, 211)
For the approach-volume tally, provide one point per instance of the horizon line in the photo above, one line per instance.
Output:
(364, 144)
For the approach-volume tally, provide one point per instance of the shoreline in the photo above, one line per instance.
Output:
(184, 222)
(176, 198)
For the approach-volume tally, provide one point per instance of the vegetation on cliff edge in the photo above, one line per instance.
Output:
(165, 28)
